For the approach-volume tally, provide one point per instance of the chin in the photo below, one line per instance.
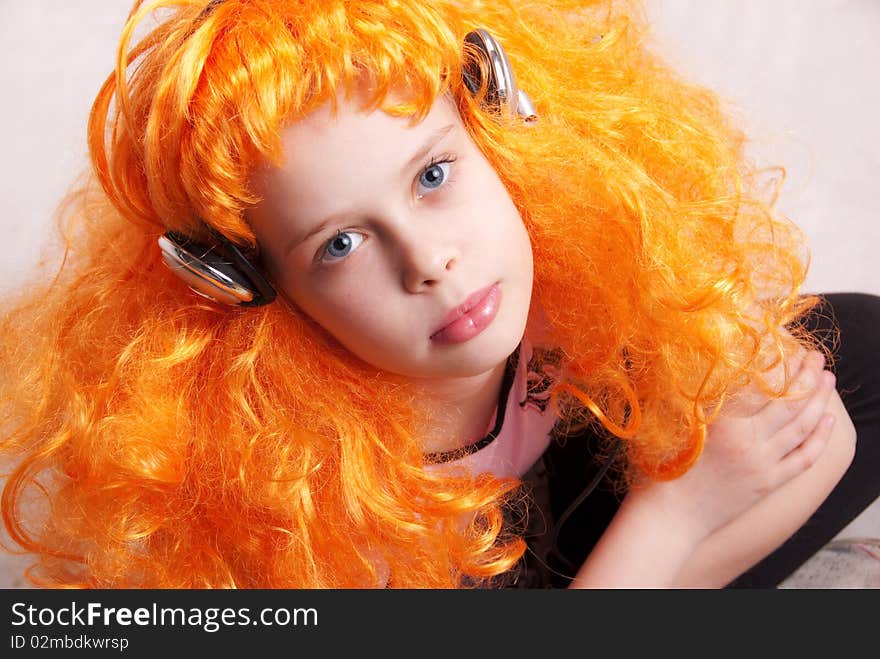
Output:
(484, 352)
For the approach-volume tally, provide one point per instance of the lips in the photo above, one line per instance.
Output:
(470, 317)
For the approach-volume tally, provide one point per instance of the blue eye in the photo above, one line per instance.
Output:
(433, 176)
(341, 245)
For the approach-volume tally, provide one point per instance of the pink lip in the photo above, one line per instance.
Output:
(470, 317)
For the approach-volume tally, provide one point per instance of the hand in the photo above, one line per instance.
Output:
(754, 446)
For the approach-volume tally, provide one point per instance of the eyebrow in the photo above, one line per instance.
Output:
(429, 144)
(435, 137)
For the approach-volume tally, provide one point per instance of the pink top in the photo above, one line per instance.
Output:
(525, 429)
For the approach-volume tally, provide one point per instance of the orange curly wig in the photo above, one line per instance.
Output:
(160, 440)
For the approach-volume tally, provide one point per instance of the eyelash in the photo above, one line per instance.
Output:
(449, 179)
(446, 158)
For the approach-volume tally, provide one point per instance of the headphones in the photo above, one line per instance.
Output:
(220, 272)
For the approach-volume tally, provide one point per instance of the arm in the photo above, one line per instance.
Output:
(768, 463)
(647, 545)
(737, 546)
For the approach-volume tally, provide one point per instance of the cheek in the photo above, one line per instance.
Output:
(507, 230)
(326, 305)
(496, 209)
(354, 314)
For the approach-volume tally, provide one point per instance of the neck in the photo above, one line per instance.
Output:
(458, 410)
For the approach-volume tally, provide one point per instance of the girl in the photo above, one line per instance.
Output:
(456, 326)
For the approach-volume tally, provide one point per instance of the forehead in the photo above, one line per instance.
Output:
(339, 147)
(348, 128)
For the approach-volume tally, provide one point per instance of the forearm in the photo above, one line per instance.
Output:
(637, 549)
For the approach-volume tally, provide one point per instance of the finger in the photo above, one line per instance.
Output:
(808, 453)
(796, 362)
(777, 412)
(796, 431)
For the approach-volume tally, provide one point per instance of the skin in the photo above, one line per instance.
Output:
(417, 212)
(416, 221)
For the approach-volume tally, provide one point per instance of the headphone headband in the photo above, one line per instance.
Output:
(501, 89)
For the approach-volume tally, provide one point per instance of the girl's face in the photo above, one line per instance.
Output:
(399, 240)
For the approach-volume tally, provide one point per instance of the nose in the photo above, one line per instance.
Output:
(425, 260)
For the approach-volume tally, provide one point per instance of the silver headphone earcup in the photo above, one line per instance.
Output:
(219, 273)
